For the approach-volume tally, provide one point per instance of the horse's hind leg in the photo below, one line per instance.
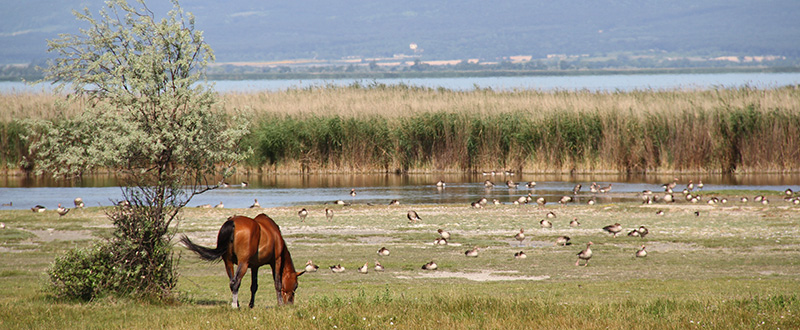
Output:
(236, 281)
(253, 286)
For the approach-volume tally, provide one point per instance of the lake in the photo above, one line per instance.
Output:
(592, 83)
(380, 189)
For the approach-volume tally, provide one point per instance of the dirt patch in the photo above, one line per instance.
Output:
(483, 276)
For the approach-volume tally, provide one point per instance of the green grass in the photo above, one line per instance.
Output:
(733, 267)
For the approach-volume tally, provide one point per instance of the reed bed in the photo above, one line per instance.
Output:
(398, 128)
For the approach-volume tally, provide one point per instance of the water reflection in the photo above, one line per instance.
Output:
(380, 189)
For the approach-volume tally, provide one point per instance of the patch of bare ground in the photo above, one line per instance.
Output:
(50, 235)
(481, 276)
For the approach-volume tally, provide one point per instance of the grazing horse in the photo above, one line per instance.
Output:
(252, 243)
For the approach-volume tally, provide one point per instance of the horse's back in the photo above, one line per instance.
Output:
(271, 238)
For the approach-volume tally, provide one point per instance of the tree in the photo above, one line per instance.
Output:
(150, 118)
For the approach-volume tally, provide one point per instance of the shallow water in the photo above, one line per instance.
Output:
(290, 190)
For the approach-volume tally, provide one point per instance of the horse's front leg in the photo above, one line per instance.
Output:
(276, 276)
(253, 286)
(236, 281)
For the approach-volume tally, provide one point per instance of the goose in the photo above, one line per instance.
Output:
(541, 201)
(520, 255)
(443, 233)
(668, 198)
(641, 253)
(472, 252)
(633, 233)
(511, 184)
(78, 202)
(509, 173)
(8, 204)
(765, 201)
(788, 192)
(302, 214)
(440, 184)
(62, 211)
(219, 206)
(544, 223)
(758, 198)
(38, 209)
(564, 200)
(496, 201)
(124, 203)
(329, 214)
(699, 184)
(488, 184)
(528, 198)
(551, 215)
(642, 231)
(613, 229)
(383, 251)
(591, 202)
(593, 188)
(697, 213)
(413, 216)
(476, 205)
(340, 202)
(430, 266)
(660, 212)
(744, 200)
(378, 266)
(576, 189)
(483, 201)
(245, 184)
(723, 200)
(585, 254)
(224, 185)
(520, 236)
(522, 200)
(574, 223)
(364, 269)
(255, 205)
(352, 193)
(606, 188)
(670, 185)
(563, 240)
(440, 241)
(690, 186)
(204, 206)
(394, 202)
(311, 267)
(337, 268)
(531, 185)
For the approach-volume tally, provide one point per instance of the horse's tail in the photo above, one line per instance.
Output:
(224, 239)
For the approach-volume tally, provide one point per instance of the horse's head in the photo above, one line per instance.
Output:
(289, 286)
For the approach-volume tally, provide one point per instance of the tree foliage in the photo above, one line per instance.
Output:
(150, 117)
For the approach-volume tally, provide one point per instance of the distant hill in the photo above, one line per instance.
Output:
(274, 30)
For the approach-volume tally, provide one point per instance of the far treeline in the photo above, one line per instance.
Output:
(401, 128)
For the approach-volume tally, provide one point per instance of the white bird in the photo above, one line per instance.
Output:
(383, 251)
(544, 223)
(364, 269)
(551, 214)
(531, 184)
(255, 205)
(440, 184)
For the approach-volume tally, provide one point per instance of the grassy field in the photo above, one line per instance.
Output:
(733, 266)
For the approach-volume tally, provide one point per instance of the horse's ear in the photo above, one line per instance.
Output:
(301, 273)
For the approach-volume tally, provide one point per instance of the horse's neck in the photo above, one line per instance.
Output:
(286, 259)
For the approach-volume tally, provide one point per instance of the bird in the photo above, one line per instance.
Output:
(255, 205)
(641, 253)
(472, 252)
(476, 205)
(591, 202)
(383, 251)
(670, 185)
(204, 206)
(593, 187)
(440, 241)
(668, 198)
(697, 213)
(337, 268)
(551, 215)
(576, 189)
(544, 223)
(690, 186)
(564, 200)
(642, 231)
(329, 214)
(352, 193)
(585, 254)
(744, 200)
(364, 269)
(2, 225)
(574, 223)
(483, 201)
(430, 266)
(613, 229)
(605, 189)
(440, 184)
(78, 202)
(541, 201)
(378, 266)
(219, 206)
(520, 236)
(496, 201)
(563, 240)
(443, 233)
(62, 211)
(311, 267)
(522, 200)
(633, 233)
(244, 184)
(488, 184)
(38, 209)
(394, 202)
(8, 204)
(520, 255)
(531, 184)
(413, 216)
(660, 212)
(700, 185)
(302, 214)
(511, 184)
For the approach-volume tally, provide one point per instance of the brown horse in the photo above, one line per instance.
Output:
(252, 243)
